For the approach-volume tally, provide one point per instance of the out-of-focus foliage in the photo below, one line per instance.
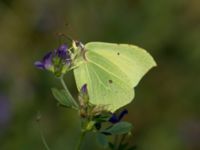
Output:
(165, 112)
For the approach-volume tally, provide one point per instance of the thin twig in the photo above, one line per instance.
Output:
(42, 133)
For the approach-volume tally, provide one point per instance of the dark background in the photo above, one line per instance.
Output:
(165, 111)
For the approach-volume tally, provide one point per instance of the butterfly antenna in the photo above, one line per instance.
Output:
(38, 118)
(65, 36)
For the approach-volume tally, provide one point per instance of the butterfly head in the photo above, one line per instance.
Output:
(78, 45)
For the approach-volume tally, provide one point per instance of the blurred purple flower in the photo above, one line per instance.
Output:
(117, 118)
(5, 112)
(57, 61)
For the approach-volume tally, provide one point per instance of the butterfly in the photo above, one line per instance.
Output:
(111, 72)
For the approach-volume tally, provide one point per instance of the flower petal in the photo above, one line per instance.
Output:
(113, 119)
(63, 48)
(122, 114)
(47, 61)
(39, 65)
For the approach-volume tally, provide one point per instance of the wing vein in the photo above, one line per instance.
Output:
(100, 79)
(107, 71)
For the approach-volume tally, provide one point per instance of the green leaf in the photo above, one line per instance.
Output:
(111, 72)
(102, 140)
(119, 128)
(62, 97)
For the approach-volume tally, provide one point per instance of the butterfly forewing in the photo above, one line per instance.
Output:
(130, 59)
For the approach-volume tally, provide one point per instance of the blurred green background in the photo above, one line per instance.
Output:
(165, 112)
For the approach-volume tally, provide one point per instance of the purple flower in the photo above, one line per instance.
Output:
(117, 118)
(63, 53)
(57, 61)
(46, 62)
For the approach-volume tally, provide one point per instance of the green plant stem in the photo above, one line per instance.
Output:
(43, 138)
(122, 140)
(75, 105)
(116, 142)
(78, 146)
